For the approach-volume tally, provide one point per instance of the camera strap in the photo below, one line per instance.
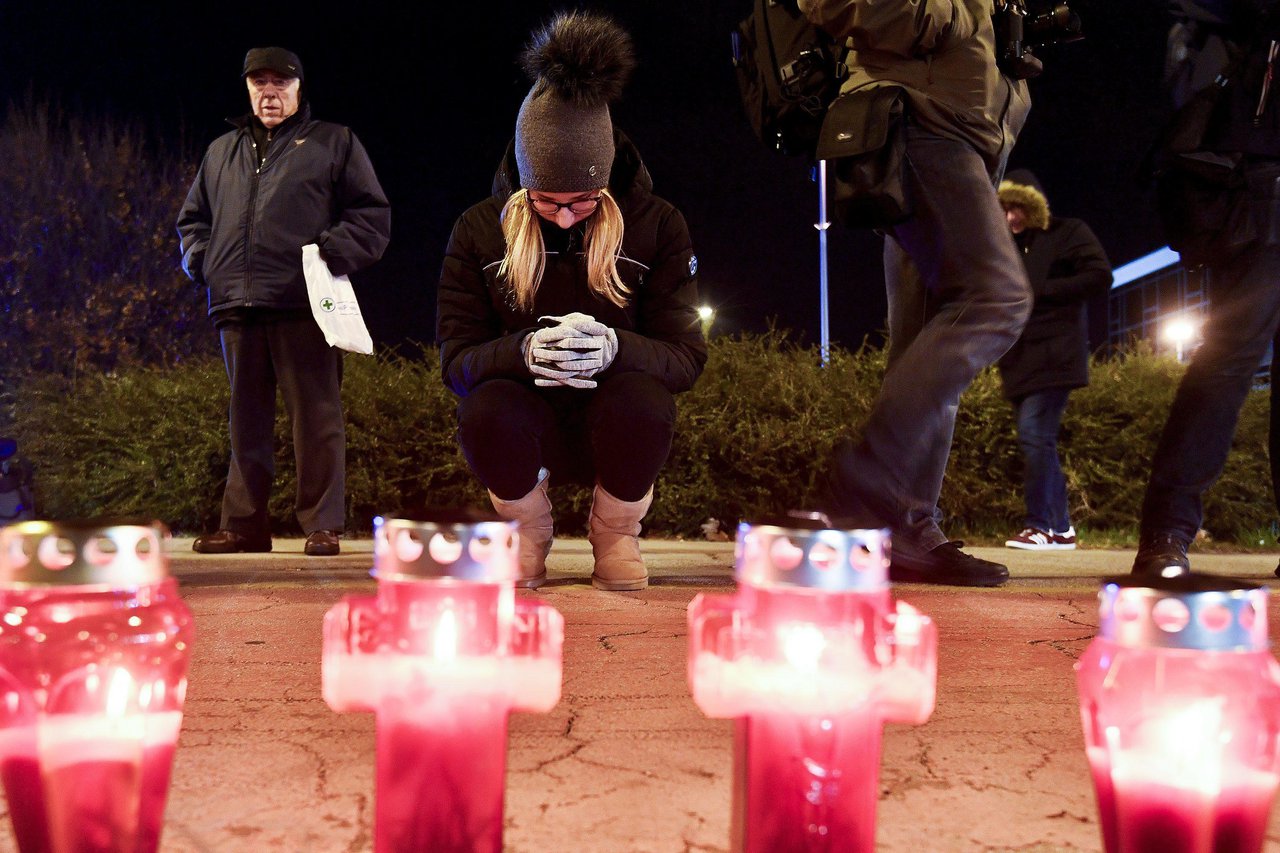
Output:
(1266, 83)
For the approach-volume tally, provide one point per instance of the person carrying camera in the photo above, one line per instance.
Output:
(1240, 38)
(964, 298)
(566, 313)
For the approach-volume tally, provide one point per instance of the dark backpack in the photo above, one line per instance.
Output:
(16, 503)
(789, 72)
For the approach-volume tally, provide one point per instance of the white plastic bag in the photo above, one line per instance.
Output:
(333, 304)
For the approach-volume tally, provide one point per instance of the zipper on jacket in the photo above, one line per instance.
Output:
(248, 226)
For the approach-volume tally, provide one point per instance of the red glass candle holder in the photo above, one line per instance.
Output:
(1180, 702)
(94, 649)
(442, 654)
(811, 657)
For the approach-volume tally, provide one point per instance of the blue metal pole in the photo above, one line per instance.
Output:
(822, 225)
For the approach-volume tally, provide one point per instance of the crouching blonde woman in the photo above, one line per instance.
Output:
(566, 313)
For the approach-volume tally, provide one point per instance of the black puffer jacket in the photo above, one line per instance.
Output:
(480, 331)
(1067, 266)
(243, 228)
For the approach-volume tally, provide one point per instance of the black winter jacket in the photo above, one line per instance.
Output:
(243, 228)
(1067, 266)
(480, 331)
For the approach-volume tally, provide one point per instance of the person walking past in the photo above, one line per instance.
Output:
(567, 310)
(957, 290)
(277, 182)
(1244, 309)
(1067, 267)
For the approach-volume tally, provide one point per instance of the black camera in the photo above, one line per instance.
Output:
(1026, 25)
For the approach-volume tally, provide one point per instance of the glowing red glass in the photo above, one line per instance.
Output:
(811, 657)
(442, 654)
(1180, 702)
(94, 648)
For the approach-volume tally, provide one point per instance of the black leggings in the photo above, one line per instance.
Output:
(618, 434)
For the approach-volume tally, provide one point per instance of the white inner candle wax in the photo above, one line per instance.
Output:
(361, 681)
(75, 738)
(748, 685)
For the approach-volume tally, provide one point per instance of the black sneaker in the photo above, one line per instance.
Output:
(1161, 555)
(946, 564)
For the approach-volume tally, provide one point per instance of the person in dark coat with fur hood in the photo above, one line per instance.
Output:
(567, 310)
(1067, 267)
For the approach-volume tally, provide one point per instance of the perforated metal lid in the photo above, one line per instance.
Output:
(116, 553)
(803, 550)
(461, 546)
(1189, 611)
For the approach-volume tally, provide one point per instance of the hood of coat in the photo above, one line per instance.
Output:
(629, 174)
(1022, 189)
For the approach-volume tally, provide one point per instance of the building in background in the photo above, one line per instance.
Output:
(1155, 298)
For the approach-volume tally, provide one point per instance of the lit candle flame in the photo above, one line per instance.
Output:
(446, 639)
(118, 692)
(1183, 748)
(802, 645)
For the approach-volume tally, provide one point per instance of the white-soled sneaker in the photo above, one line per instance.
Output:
(1065, 541)
(1032, 539)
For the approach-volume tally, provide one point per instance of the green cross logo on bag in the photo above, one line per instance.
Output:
(327, 304)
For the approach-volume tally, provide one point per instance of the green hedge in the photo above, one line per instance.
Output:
(754, 437)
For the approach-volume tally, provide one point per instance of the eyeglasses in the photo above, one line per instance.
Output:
(579, 206)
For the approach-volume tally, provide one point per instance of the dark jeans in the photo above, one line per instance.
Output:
(976, 303)
(261, 353)
(1244, 315)
(618, 434)
(1043, 485)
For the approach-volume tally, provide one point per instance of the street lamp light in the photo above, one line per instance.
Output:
(707, 316)
(1180, 331)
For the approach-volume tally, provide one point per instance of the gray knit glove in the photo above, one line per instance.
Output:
(560, 355)
(604, 337)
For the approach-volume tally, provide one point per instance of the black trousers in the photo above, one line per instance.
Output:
(1244, 319)
(618, 434)
(262, 352)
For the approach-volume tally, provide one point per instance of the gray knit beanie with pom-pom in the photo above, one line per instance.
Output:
(579, 63)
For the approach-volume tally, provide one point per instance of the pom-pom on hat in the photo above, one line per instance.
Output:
(579, 63)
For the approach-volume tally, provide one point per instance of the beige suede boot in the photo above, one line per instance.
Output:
(615, 526)
(533, 511)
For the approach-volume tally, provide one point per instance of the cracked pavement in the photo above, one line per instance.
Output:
(626, 762)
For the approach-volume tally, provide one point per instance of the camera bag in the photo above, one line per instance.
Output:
(1200, 194)
(788, 72)
(864, 136)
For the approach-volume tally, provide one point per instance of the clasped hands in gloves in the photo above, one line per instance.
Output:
(570, 352)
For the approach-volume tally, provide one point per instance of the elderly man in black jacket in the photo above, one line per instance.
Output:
(279, 181)
(1067, 267)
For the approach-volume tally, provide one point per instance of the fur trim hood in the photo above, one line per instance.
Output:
(1028, 198)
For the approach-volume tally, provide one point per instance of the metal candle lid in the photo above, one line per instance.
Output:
(457, 546)
(1189, 611)
(806, 552)
(113, 553)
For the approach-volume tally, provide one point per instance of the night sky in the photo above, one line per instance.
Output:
(432, 89)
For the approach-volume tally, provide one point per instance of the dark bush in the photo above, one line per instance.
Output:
(754, 437)
(89, 268)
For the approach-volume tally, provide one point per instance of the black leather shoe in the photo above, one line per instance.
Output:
(322, 543)
(945, 564)
(1161, 555)
(230, 542)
